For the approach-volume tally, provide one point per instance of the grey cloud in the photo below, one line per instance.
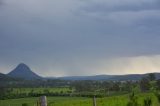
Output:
(122, 12)
(72, 36)
(123, 5)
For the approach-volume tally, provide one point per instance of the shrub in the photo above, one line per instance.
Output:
(132, 100)
(157, 94)
(24, 104)
(148, 101)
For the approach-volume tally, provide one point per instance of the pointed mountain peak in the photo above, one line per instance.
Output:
(23, 67)
(22, 64)
(23, 71)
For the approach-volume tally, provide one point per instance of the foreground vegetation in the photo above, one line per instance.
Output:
(121, 100)
(145, 92)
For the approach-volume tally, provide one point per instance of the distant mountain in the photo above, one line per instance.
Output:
(4, 77)
(132, 77)
(96, 77)
(24, 72)
(109, 77)
(127, 77)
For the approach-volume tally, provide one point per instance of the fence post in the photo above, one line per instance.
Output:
(94, 101)
(43, 101)
(37, 103)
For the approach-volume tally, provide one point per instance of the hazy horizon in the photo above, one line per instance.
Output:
(80, 37)
(78, 75)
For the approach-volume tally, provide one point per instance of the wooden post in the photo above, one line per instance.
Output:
(38, 103)
(94, 101)
(108, 91)
(43, 101)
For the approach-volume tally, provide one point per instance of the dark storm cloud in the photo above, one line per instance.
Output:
(123, 5)
(72, 37)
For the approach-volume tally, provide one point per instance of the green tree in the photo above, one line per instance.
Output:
(144, 84)
(151, 76)
(158, 84)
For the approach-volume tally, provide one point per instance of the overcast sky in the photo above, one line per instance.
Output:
(80, 37)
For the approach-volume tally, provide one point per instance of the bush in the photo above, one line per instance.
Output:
(157, 94)
(25, 104)
(133, 100)
(148, 101)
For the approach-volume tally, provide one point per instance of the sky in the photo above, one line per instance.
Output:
(80, 37)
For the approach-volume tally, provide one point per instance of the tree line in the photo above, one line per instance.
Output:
(85, 88)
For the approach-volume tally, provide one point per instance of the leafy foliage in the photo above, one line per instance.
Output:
(148, 101)
(144, 84)
(133, 100)
(24, 104)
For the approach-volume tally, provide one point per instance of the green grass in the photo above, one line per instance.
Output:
(80, 101)
(40, 90)
(18, 102)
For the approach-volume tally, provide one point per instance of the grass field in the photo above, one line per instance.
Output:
(40, 90)
(80, 101)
